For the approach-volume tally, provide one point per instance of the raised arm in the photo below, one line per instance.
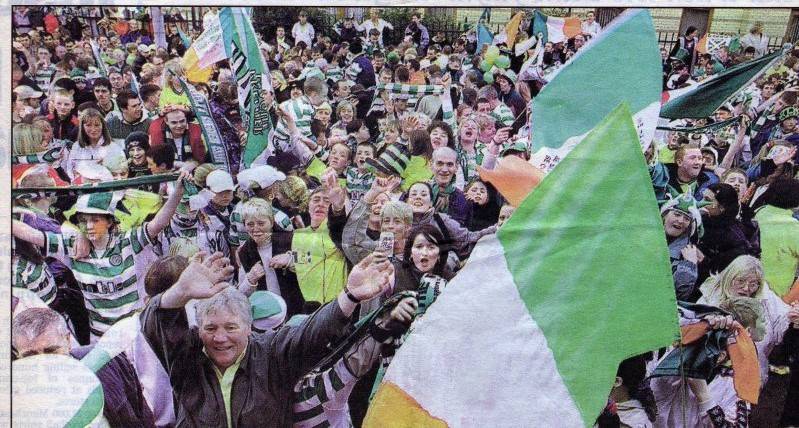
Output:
(298, 349)
(164, 215)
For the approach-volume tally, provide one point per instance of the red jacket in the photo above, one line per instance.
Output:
(158, 135)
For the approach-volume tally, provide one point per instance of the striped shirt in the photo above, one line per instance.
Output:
(320, 399)
(302, 112)
(334, 73)
(358, 183)
(44, 76)
(34, 277)
(503, 114)
(106, 277)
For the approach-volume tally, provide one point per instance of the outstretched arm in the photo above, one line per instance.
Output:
(162, 218)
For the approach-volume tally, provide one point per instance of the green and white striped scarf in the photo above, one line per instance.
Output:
(47, 156)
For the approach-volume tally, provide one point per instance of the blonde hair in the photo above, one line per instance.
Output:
(201, 173)
(295, 190)
(397, 209)
(717, 288)
(27, 139)
(342, 105)
(259, 209)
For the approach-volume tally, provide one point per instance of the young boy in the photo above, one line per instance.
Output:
(359, 178)
(136, 146)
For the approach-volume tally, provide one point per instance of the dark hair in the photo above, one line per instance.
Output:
(101, 81)
(164, 273)
(727, 198)
(750, 49)
(783, 193)
(632, 372)
(438, 124)
(147, 90)
(402, 74)
(354, 125)
(432, 234)
(317, 127)
(689, 30)
(124, 97)
(419, 142)
(162, 154)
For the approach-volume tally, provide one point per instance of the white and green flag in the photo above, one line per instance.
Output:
(252, 78)
(593, 82)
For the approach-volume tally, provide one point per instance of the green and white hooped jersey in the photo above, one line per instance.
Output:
(107, 277)
(34, 277)
(239, 235)
(302, 112)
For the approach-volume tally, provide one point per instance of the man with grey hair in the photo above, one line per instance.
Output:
(43, 331)
(445, 196)
(223, 374)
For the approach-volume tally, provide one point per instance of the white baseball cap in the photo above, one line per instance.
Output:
(219, 181)
(262, 175)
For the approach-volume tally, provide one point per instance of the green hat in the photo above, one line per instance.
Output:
(62, 390)
(393, 56)
(392, 161)
(789, 112)
(688, 205)
(97, 203)
(268, 310)
(77, 75)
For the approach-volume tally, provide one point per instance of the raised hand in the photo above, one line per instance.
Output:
(203, 278)
(371, 277)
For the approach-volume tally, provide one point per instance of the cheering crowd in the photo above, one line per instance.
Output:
(273, 289)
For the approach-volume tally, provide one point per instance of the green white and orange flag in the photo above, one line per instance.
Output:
(593, 82)
(531, 331)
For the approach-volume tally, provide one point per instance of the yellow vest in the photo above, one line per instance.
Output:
(321, 267)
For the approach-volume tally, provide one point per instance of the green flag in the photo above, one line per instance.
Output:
(593, 82)
(252, 77)
(704, 99)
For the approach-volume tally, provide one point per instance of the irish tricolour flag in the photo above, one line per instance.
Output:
(531, 331)
(555, 30)
(621, 64)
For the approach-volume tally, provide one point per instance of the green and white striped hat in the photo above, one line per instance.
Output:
(98, 203)
(56, 391)
(392, 161)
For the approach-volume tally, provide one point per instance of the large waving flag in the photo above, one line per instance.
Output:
(554, 29)
(704, 99)
(587, 88)
(252, 76)
(570, 296)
